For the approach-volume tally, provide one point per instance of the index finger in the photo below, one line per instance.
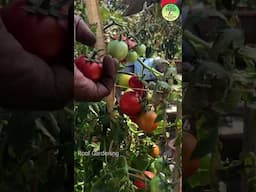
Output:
(83, 33)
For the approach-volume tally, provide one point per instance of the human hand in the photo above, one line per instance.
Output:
(29, 83)
(85, 89)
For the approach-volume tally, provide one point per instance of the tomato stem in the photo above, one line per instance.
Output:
(134, 170)
(152, 70)
(136, 89)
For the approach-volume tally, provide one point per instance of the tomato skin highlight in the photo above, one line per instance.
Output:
(149, 174)
(130, 104)
(90, 69)
(189, 166)
(42, 35)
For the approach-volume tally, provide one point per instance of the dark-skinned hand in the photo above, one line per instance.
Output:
(84, 88)
(29, 83)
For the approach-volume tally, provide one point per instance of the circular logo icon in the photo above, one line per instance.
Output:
(171, 12)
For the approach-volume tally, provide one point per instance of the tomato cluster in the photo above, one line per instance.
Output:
(131, 103)
(125, 49)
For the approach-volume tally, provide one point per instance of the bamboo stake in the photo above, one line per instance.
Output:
(93, 14)
(177, 177)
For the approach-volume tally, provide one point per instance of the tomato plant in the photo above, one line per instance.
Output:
(120, 151)
(218, 71)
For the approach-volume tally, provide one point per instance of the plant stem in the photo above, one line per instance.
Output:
(188, 35)
(137, 89)
(134, 170)
(152, 70)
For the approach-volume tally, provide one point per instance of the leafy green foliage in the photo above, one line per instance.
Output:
(96, 131)
(217, 82)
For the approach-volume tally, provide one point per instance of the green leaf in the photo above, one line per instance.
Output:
(248, 52)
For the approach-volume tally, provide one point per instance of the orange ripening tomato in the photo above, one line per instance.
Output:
(146, 121)
(156, 151)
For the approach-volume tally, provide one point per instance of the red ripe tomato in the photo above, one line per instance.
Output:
(164, 2)
(131, 43)
(140, 184)
(130, 104)
(90, 69)
(43, 35)
(135, 82)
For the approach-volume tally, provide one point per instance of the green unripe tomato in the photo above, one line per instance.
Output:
(141, 50)
(132, 56)
(117, 49)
